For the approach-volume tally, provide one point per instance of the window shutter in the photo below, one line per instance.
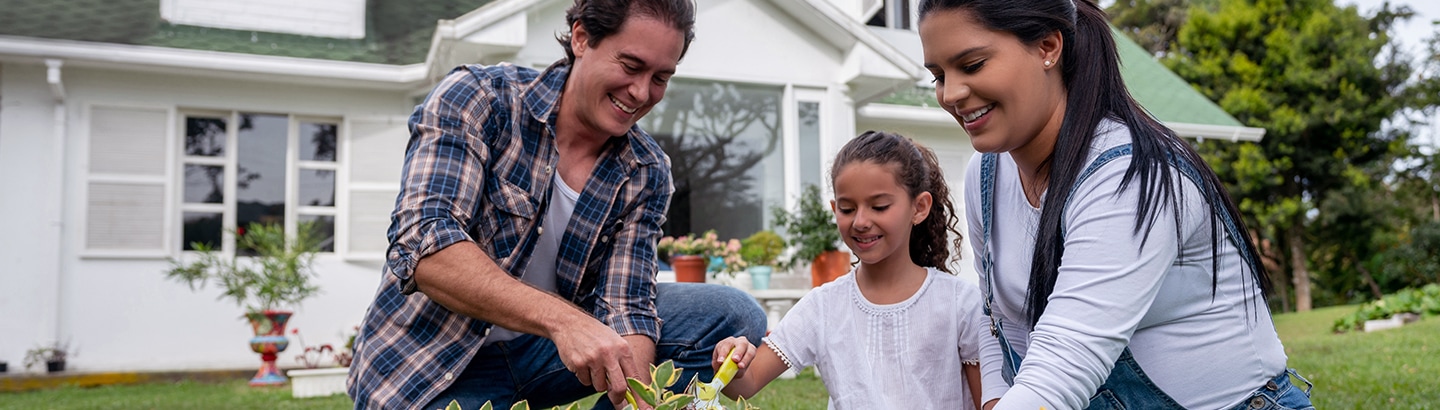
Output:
(126, 181)
(374, 158)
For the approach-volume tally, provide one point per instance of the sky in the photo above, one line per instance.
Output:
(1411, 33)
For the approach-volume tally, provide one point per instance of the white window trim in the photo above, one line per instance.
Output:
(230, 161)
(83, 193)
(343, 179)
(794, 95)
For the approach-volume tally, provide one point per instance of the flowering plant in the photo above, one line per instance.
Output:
(313, 356)
(707, 245)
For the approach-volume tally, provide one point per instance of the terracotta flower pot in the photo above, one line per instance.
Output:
(828, 266)
(689, 268)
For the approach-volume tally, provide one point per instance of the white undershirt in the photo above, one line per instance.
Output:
(1205, 353)
(906, 355)
(541, 271)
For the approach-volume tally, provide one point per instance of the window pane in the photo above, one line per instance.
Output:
(317, 141)
(724, 142)
(260, 179)
(317, 187)
(809, 143)
(204, 184)
(203, 227)
(204, 136)
(324, 229)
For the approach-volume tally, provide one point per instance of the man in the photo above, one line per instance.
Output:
(522, 246)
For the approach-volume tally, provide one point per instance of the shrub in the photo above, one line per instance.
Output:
(1424, 302)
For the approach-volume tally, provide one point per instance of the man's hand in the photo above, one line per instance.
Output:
(598, 356)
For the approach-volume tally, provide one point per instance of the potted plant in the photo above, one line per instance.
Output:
(53, 356)
(812, 231)
(278, 276)
(691, 257)
(760, 251)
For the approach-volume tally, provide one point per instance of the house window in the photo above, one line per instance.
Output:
(241, 168)
(896, 14)
(725, 145)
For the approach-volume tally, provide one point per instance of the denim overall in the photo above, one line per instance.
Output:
(1126, 386)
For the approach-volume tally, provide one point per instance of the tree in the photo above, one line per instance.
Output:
(1310, 73)
(1153, 23)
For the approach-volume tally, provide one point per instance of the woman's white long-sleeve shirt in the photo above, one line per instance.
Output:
(1205, 351)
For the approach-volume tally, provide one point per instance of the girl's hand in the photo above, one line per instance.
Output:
(744, 353)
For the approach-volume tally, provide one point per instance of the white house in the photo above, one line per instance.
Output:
(132, 128)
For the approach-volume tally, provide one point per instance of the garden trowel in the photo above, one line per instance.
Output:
(707, 395)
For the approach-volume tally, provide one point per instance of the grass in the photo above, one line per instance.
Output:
(1391, 369)
(804, 392)
(180, 395)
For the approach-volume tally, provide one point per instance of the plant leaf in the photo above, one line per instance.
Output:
(646, 393)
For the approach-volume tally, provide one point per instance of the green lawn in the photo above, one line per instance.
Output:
(1392, 369)
(802, 393)
(1389, 369)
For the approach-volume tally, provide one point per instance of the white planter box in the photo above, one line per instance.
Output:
(1391, 322)
(318, 382)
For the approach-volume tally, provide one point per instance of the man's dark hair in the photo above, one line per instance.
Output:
(601, 18)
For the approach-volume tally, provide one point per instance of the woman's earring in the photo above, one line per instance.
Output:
(1047, 63)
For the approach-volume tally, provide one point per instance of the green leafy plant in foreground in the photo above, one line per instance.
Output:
(654, 394)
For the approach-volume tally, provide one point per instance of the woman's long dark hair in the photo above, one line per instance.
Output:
(1090, 70)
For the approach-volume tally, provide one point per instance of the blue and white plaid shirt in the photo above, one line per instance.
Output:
(479, 167)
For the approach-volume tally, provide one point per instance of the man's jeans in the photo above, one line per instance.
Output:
(695, 317)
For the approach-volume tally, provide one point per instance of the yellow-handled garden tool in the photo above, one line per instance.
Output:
(707, 395)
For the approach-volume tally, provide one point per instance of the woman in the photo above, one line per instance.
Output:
(1116, 269)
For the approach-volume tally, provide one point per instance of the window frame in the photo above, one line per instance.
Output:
(229, 161)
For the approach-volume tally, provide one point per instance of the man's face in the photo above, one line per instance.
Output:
(617, 81)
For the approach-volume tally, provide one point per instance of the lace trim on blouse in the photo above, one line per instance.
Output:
(782, 355)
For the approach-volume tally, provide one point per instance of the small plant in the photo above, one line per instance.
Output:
(344, 357)
(811, 228)
(762, 248)
(51, 356)
(1424, 302)
(654, 394)
(280, 273)
(312, 356)
(707, 245)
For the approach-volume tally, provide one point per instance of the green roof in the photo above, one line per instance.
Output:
(396, 31)
(1167, 96)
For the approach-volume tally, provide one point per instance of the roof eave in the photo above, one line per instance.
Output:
(214, 63)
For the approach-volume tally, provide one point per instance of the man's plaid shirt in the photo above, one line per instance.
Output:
(479, 168)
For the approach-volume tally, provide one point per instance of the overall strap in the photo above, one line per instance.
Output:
(1124, 377)
(988, 164)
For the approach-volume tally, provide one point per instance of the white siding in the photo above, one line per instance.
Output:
(323, 18)
(108, 307)
(30, 211)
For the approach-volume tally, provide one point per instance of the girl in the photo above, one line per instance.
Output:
(1117, 271)
(896, 332)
